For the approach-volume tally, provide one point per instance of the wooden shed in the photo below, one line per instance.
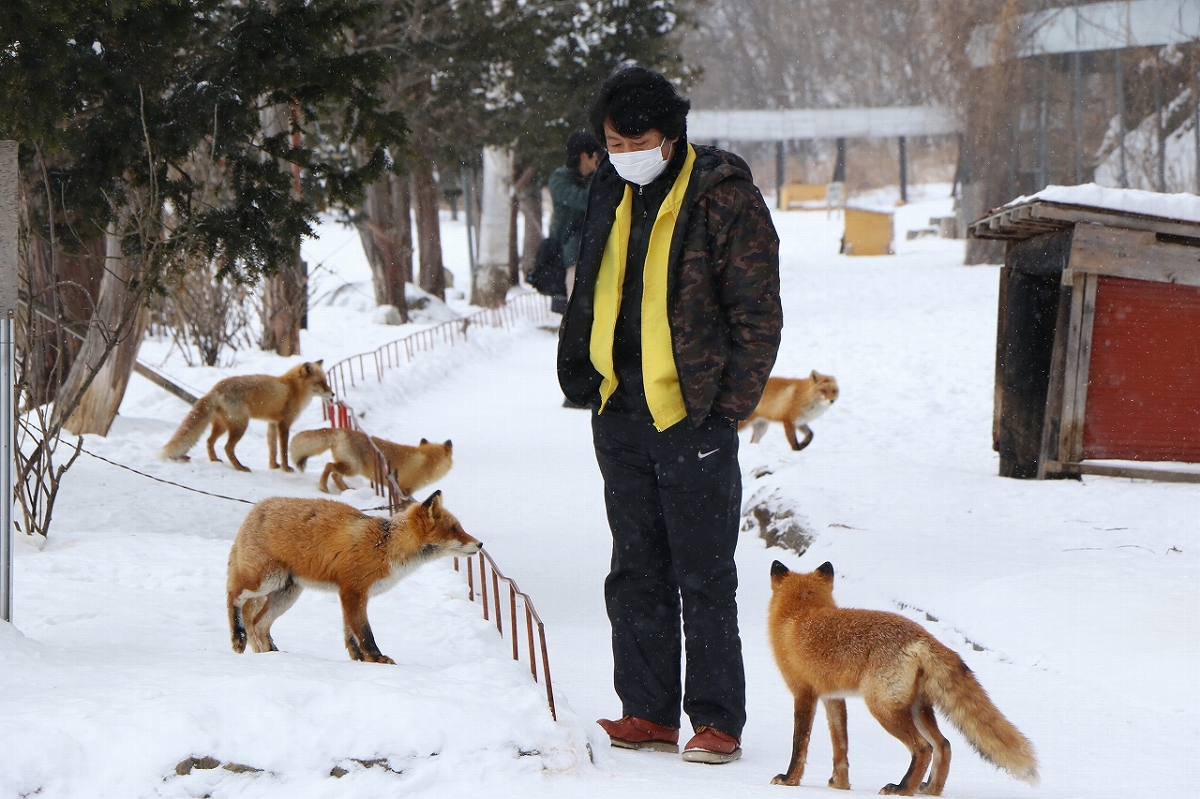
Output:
(867, 232)
(1098, 334)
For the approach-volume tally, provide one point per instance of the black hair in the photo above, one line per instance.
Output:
(634, 99)
(578, 143)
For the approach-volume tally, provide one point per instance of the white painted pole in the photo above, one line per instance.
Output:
(8, 309)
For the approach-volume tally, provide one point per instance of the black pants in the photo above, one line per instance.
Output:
(673, 501)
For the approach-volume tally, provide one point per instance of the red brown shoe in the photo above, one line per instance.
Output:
(712, 746)
(630, 732)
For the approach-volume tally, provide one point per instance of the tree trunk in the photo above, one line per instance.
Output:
(403, 225)
(429, 230)
(100, 373)
(489, 284)
(285, 295)
(285, 302)
(62, 291)
(531, 209)
(389, 268)
(514, 255)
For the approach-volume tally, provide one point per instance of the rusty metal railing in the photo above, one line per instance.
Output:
(349, 372)
(341, 375)
(487, 568)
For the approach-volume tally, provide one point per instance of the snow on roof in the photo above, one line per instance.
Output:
(1184, 206)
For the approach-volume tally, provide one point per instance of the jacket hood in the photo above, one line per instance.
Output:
(714, 166)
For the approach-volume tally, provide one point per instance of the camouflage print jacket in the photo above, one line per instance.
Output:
(722, 289)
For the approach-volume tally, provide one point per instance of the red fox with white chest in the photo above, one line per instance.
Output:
(901, 671)
(793, 402)
(287, 544)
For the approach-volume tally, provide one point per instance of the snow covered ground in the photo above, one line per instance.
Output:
(1077, 604)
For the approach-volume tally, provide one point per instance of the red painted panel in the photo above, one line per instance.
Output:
(1143, 396)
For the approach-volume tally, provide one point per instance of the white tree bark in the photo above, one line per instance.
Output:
(489, 284)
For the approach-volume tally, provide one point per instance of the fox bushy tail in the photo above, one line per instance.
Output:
(307, 444)
(957, 693)
(190, 430)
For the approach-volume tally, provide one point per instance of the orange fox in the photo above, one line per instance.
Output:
(234, 401)
(901, 671)
(412, 467)
(286, 544)
(794, 402)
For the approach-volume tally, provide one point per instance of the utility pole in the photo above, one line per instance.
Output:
(780, 173)
(8, 310)
(839, 166)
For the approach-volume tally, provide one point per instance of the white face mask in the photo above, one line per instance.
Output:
(640, 166)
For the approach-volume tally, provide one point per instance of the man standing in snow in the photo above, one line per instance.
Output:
(670, 335)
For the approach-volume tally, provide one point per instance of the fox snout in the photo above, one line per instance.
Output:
(470, 548)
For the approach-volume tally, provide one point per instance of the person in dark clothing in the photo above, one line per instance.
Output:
(568, 194)
(670, 335)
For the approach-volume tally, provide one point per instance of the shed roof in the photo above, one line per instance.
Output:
(1059, 207)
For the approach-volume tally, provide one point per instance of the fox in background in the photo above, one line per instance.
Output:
(234, 401)
(793, 402)
(900, 670)
(352, 455)
(287, 544)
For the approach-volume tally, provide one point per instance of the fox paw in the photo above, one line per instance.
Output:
(840, 784)
(891, 789)
(782, 779)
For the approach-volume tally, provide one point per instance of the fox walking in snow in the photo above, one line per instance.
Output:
(352, 455)
(901, 671)
(234, 401)
(793, 402)
(286, 544)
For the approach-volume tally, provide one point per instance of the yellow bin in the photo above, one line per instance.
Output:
(867, 232)
(801, 193)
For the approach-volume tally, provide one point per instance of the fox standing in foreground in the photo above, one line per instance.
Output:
(286, 544)
(794, 402)
(901, 671)
(234, 401)
(412, 467)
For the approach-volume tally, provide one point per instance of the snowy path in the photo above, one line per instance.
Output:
(1082, 598)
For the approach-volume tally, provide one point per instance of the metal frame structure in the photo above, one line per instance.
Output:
(8, 310)
(348, 372)
(789, 124)
(782, 125)
(1090, 27)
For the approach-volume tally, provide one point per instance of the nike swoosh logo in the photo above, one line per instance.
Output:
(703, 455)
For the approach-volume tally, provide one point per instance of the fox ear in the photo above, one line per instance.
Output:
(449, 446)
(826, 569)
(434, 503)
(778, 570)
(318, 363)
(815, 376)
(424, 441)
